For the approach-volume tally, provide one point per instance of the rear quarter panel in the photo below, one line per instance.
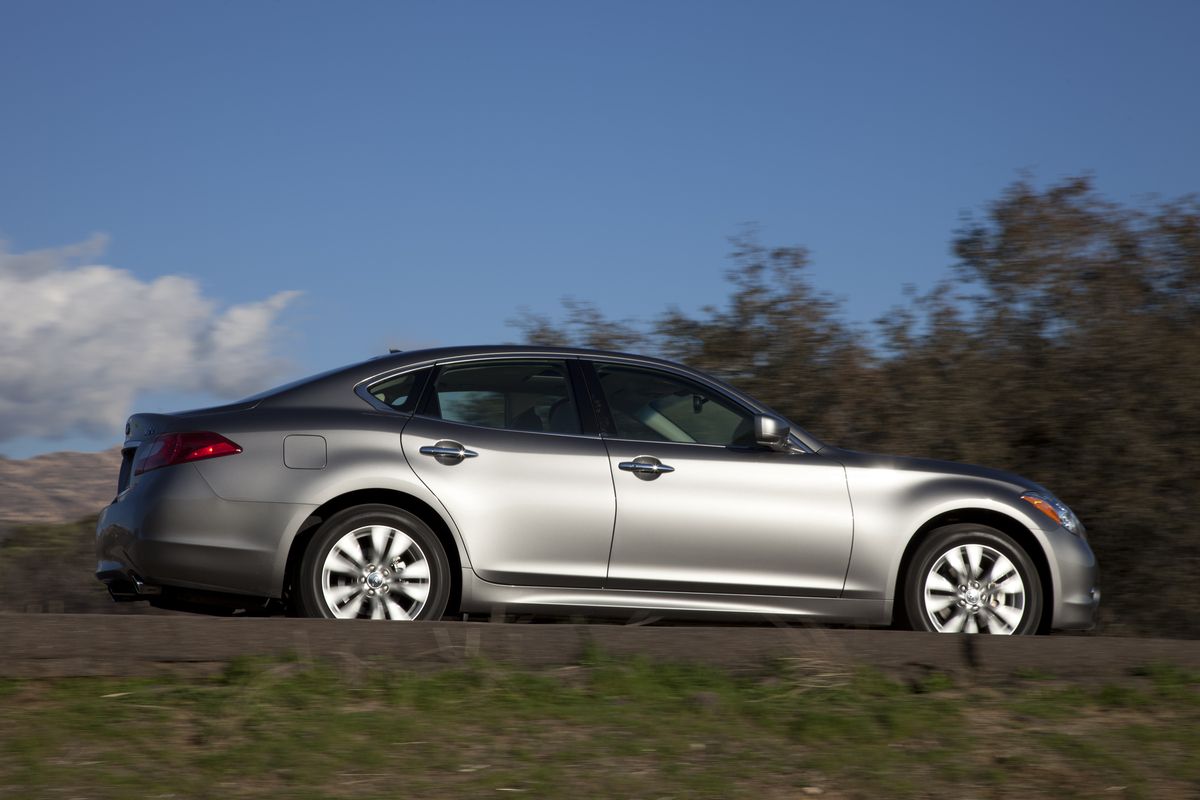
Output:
(363, 451)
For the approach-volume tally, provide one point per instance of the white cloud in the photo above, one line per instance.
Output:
(79, 340)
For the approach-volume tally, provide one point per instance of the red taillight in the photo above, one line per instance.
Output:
(177, 448)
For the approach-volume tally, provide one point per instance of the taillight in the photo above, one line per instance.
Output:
(177, 448)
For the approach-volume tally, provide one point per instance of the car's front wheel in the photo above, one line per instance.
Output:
(374, 562)
(970, 578)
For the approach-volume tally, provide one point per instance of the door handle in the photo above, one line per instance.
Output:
(645, 467)
(447, 451)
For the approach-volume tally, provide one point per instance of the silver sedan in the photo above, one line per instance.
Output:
(570, 482)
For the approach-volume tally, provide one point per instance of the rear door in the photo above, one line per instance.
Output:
(502, 444)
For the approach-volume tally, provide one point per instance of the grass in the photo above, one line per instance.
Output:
(331, 729)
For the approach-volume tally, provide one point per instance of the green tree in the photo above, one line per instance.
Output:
(1084, 372)
(1065, 345)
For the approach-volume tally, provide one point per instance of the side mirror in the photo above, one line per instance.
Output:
(771, 432)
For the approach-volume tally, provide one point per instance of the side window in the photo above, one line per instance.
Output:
(516, 395)
(399, 392)
(655, 406)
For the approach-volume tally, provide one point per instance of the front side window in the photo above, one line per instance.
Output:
(649, 405)
(515, 395)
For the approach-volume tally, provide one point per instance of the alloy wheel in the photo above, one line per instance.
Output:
(974, 588)
(375, 572)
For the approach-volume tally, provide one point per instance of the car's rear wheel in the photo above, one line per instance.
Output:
(374, 562)
(970, 578)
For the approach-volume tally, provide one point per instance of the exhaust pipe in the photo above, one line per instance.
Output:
(144, 588)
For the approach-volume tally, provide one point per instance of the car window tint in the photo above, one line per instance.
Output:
(396, 392)
(521, 396)
(654, 406)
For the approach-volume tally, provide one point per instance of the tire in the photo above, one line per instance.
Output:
(375, 562)
(972, 579)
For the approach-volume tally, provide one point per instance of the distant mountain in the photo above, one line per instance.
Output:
(57, 487)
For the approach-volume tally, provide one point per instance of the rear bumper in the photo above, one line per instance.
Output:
(170, 530)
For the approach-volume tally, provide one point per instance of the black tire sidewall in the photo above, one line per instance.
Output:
(941, 540)
(311, 597)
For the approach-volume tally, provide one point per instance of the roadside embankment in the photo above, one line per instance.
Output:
(63, 645)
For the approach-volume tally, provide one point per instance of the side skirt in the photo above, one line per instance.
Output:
(481, 597)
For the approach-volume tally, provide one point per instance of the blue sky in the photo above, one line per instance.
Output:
(420, 171)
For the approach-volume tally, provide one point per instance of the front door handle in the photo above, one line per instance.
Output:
(645, 467)
(447, 452)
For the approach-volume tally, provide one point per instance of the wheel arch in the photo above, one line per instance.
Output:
(390, 497)
(979, 516)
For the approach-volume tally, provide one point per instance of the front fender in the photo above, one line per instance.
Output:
(893, 506)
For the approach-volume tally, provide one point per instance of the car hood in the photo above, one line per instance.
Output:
(853, 458)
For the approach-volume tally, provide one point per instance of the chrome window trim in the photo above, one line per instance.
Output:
(503, 430)
(437, 362)
(652, 442)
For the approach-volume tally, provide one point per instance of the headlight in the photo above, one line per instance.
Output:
(1055, 509)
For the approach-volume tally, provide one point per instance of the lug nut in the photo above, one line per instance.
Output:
(386, 588)
(386, 573)
(370, 568)
(370, 592)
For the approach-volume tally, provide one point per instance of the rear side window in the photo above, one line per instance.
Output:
(399, 392)
(515, 395)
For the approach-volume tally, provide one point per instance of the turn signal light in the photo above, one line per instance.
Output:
(1043, 506)
(177, 448)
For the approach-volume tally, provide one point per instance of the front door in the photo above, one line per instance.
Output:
(701, 508)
